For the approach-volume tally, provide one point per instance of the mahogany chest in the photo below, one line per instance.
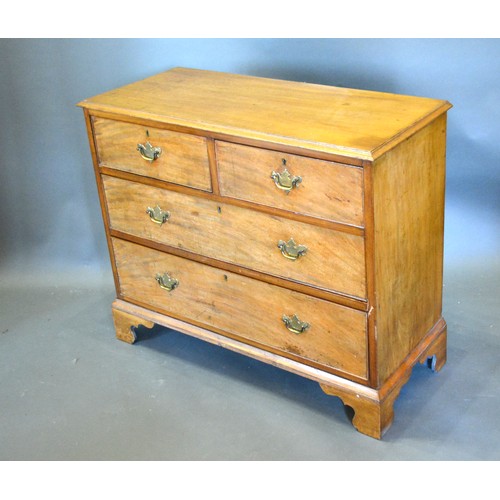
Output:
(298, 224)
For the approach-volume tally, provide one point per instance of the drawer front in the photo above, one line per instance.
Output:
(327, 190)
(244, 307)
(333, 260)
(183, 158)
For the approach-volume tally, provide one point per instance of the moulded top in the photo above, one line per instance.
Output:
(348, 122)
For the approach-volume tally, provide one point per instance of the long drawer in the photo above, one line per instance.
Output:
(174, 157)
(335, 336)
(333, 260)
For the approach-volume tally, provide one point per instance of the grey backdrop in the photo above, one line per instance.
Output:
(50, 220)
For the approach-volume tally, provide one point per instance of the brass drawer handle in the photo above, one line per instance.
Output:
(157, 215)
(294, 324)
(166, 282)
(149, 152)
(291, 250)
(285, 180)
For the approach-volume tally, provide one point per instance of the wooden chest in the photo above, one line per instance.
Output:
(298, 224)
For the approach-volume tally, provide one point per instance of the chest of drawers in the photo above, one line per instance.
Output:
(298, 224)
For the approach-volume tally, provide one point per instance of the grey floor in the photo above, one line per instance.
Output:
(70, 391)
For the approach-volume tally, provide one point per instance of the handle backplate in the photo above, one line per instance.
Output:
(148, 151)
(291, 250)
(285, 180)
(166, 282)
(294, 324)
(157, 215)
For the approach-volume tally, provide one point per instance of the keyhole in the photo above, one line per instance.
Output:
(147, 133)
(283, 160)
(219, 209)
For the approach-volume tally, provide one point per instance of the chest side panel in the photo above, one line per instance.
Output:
(408, 212)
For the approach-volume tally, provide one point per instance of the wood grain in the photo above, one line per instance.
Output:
(374, 409)
(248, 348)
(328, 190)
(369, 209)
(184, 158)
(100, 191)
(345, 228)
(370, 272)
(334, 260)
(125, 325)
(408, 197)
(280, 146)
(372, 416)
(345, 300)
(245, 307)
(337, 120)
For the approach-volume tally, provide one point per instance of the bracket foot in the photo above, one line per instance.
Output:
(126, 325)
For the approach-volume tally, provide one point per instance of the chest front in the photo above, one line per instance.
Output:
(313, 243)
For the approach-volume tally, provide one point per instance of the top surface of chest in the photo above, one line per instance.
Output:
(353, 123)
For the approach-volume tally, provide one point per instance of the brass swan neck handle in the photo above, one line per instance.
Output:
(294, 324)
(285, 180)
(157, 215)
(291, 250)
(148, 151)
(166, 282)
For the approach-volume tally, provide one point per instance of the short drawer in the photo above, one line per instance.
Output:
(333, 260)
(244, 308)
(327, 190)
(180, 159)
